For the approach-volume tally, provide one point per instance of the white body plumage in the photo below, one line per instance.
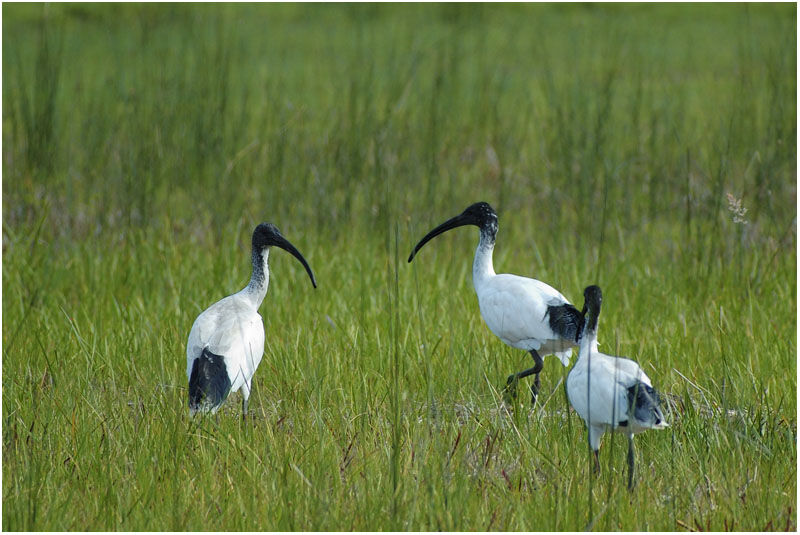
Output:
(233, 328)
(598, 389)
(226, 341)
(517, 309)
(610, 393)
(524, 313)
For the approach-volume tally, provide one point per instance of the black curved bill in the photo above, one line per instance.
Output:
(458, 221)
(283, 243)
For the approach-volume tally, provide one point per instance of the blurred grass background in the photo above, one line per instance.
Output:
(143, 143)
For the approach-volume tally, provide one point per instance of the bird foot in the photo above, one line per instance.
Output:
(510, 390)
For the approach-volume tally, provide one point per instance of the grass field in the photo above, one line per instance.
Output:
(143, 143)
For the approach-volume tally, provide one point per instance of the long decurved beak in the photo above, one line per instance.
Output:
(283, 243)
(458, 221)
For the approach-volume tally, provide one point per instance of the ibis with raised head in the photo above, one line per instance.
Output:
(524, 313)
(609, 392)
(226, 342)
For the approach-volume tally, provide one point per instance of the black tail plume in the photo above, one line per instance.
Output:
(646, 404)
(209, 383)
(566, 321)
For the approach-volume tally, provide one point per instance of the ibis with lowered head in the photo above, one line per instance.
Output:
(226, 342)
(608, 392)
(524, 313)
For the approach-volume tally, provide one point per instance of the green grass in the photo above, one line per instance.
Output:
(143, 143)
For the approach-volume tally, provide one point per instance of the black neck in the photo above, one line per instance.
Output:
(591, 320)
(258, 278)
(488, 233)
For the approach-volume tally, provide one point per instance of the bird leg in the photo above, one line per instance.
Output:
(630, 462)
(596, 462)
(537, 367)
(510, 391)
(244, 408)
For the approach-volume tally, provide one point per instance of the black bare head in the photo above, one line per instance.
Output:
(592, 299)
(266, 235)
(480, 214)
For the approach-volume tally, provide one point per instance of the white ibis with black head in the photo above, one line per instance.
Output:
(524, 313)
(608, 392)
(226, 342)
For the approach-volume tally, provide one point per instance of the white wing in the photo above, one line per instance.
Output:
(599, 390)
(235, 331)
(515, 309)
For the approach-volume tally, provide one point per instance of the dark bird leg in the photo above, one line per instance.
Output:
(630, 462)
(510, 391)
(244, 408)
(596, 462)
(537, 367)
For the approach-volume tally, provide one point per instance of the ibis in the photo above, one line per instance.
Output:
(226, 342)
(524, 313)
(608, 392)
